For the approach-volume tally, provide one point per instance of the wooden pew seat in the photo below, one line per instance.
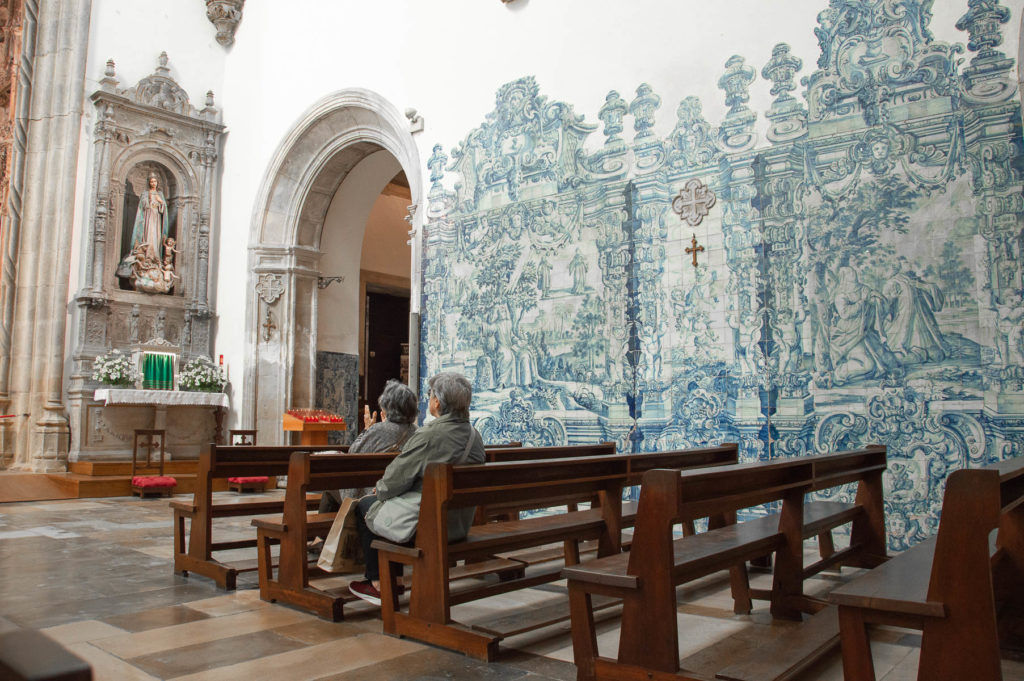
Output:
(516, 484)
(898, 586)
(721, 548)
(695, 556)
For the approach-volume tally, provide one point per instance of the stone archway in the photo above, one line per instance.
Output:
(310, 164)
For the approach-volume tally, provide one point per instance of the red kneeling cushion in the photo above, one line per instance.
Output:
(154, 481)
(256, 478)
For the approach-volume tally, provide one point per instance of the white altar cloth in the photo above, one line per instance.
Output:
(160, 398)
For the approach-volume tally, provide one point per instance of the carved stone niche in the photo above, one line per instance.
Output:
(139, 286)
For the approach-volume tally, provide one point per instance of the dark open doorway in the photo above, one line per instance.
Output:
(387, 330)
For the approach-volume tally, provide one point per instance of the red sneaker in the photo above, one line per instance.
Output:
(366, 591)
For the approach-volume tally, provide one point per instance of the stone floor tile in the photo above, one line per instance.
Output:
(886, 656)
(78, 632)
(180, 635)
(210, 655)
(155, 618)
(106, 666)
(430, 665)
(314, 662)
(7, 625)
(241, 600)
(50, 612)
(321, 631)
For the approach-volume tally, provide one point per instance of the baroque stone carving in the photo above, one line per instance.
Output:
(225, 15)
(155, 170)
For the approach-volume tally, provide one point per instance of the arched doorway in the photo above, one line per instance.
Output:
(329, 170)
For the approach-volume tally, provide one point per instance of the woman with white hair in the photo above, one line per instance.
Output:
(449, 438)
(398, 412)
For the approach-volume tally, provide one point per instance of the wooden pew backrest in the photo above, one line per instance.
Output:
(639, 464)
(519, 453)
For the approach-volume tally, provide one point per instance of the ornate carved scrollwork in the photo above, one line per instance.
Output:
(225, 15)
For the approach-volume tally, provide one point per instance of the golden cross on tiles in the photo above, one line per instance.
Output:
(694, 249)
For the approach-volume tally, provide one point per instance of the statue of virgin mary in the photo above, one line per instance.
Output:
(151, 225)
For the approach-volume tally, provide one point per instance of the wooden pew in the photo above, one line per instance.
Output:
(525, 484)
(488, 512)
(292, 530)
(222, 462)
(291, 581)
(447, 487)
(646, 578)
(969, 579)
(29, 655)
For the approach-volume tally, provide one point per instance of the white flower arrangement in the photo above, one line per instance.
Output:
(202, 375)
(114, 368)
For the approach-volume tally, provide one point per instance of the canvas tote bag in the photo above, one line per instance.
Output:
(342, 551)
(395, 519)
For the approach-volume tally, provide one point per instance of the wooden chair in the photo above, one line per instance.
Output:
(142, 484)
(250, 483)
(242, 437)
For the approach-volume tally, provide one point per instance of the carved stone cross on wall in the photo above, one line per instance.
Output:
(694, 249)
(694, 202)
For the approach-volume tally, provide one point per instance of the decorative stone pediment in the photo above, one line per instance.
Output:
(158, 92)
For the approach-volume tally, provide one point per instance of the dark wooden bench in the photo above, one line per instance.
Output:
(28, 655)
(218, 462)
(951, 586)
(526, 484)
(684, 459)
(511, 511)
(647, 577)
(307, 472)
(447, 487)
(292, 523)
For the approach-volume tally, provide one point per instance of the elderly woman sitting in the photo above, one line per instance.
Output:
(398, 412)
(449, 438)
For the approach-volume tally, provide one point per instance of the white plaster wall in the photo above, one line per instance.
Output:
(385, 247)
(342, 247)
(447, 60)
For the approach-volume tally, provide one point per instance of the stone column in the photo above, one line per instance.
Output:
(10, 236)
(40, 316)
(209, 169)
(98, 246)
